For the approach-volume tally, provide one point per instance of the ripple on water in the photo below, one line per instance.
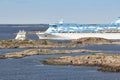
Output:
(30, 68)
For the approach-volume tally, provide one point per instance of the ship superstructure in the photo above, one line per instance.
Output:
(67, 31)
(21, 35)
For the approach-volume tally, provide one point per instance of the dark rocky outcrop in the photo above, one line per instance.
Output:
(2, 56)
(91, 41)
(110, 69)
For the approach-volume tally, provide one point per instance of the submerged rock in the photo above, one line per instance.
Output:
(110, 69)
(2, 56)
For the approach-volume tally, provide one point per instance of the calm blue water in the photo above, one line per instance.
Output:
(6, 32)
(30, 68)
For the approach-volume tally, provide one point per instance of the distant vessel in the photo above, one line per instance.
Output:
(68, 31)
(21, 35)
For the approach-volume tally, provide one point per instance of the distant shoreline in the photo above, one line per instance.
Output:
(24, 25)
(49, 44)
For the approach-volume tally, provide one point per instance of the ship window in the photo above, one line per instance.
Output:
(54, 25)
(45, 35)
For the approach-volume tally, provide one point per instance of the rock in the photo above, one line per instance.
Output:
(91, 41)
(112, 61)
(2, 56)
(31, 52)
(109, 69)
(14, 55)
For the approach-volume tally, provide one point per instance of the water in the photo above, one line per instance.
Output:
(7, 31)
(105, 48)
(31, 68)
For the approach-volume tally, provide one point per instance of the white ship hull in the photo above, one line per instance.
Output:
(70, 36)
(68, 31)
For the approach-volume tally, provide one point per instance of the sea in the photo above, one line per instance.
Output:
(31, 67)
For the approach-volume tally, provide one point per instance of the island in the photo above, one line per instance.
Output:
(106, 62)
(52, 44)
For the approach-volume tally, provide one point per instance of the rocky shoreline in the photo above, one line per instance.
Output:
(49, 44)
(107, 62)
(31, 52)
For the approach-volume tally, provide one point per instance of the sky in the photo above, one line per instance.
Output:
(50, 11)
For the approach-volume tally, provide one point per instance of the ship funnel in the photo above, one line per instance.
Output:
(116, 21)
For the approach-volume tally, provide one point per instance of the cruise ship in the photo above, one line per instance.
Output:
(70, 31)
